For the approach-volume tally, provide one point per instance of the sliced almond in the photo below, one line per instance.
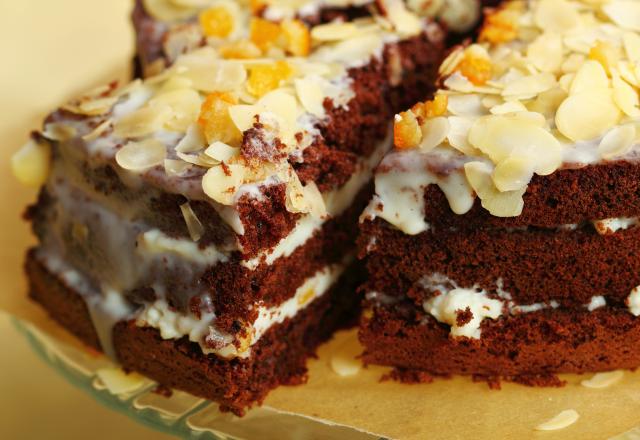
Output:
(625, 97)
(564, 419)
(185, 107)
(499, 204)
(175, 167)
(59, 131)
(334, 31)
(590, 76)
(631, 41)
(513, 173)
(142, 122)
(194, 226)
(546, 52)
(434, 132)
(221, 151)
(192, 141)
(139, 156)
(31, 164)
(603, 380)
(587, 115)
(222, 182)
(310, 95)
(556, 15)
(617, 142)
(624, 13)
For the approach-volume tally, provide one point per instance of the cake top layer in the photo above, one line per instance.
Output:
(550, 84)
(234, 115)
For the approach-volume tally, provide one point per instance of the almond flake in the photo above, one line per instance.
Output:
(116, 381)
(314, 200)
(617, 142)
(499, 204)
(58, 131)
(624, 13)
(185, 107)
(310, 95)
(545, 52)
(508, 107)
(221, 151)
(244, 116)
(142, 122)
(211, 74)
(334, 31)
(31, 164)
(405, 22)
(564, 419)
(513, 173)
(603, 380)
(529, 86)
(590, 76)
(631, 42)
(459, 127)
(192, 141)
(165, 10)
(434, 132)
(587, 115)
(222, 182)
(465, 105)
(98, 131)
(175, 167)
(625, 97)
(194, 226)
(557, 16)
(139, 156)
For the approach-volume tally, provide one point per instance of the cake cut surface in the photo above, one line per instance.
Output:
(501, 238)
(199, 225)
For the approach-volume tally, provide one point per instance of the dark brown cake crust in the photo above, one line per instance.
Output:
(570, 195)
(525, 345)
(279, 358)
(535, 265)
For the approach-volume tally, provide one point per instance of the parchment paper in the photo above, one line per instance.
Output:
(53, 49)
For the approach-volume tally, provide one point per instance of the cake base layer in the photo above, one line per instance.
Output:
(529, 344)
(278, 358)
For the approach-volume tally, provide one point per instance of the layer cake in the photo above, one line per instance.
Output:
(199, 226)
(502, 240)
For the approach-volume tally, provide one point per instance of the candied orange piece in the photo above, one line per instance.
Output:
(406, 131)
(216, 22)
(478, 70)
(267, 77)
(430, 109)
(297, 36)
(500, 27)
(605, 54)
(241, 49)
(257, 6)
(215, 120)
(264, 34)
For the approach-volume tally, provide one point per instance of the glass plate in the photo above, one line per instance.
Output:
(181, 414)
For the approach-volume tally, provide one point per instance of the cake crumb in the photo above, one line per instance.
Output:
(408, 376)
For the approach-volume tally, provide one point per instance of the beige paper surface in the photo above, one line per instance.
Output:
(51, 50)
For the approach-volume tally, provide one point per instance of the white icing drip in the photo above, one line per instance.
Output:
(153, 243)
(106, 308)
(402, 178)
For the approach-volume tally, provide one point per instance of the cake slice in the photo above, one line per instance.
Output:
(199, 226)
(502, 240)
(165, 29)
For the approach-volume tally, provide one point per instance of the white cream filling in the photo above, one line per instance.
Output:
(633, 301)
(337, 202)
(450, 300)
(173, 325)
(612, 225)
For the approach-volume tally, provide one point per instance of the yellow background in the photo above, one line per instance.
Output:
(50, 50)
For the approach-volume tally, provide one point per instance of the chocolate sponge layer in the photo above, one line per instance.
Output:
(534, 265)
(530, 344)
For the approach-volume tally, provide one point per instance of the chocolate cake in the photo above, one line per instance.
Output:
(199, 226)
(502, 240)
(165, 29)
